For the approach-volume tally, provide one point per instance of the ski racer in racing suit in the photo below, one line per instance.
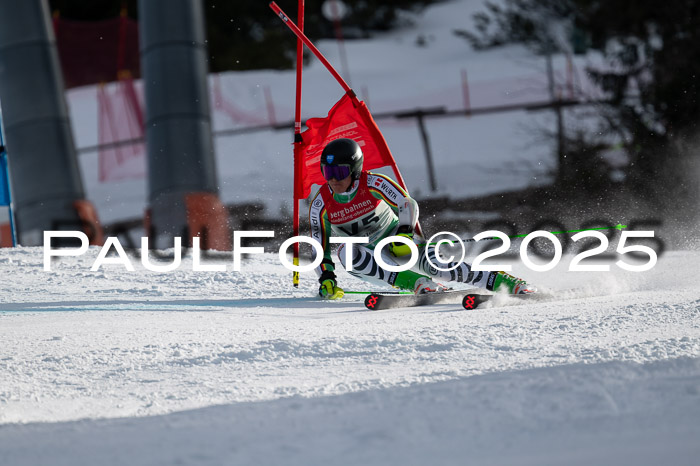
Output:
(357, 203)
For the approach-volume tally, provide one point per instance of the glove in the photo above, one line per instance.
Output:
(329, 288)
(400, 249)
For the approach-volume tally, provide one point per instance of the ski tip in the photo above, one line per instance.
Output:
(371, 301)
(469, 301)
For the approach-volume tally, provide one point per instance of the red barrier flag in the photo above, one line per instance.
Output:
(349, 118)
(120, 120)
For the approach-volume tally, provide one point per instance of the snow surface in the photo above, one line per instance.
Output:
(217, 368)
(116, 367)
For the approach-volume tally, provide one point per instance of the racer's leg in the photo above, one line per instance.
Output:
(461, 272)
(365, 266)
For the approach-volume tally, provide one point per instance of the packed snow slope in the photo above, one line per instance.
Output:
(115, 367)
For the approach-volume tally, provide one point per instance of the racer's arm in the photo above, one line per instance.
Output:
(321, 232)
(403, 205)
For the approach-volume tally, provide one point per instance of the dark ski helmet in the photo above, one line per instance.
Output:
(342, 153)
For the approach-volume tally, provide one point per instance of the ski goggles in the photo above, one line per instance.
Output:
(339, 172)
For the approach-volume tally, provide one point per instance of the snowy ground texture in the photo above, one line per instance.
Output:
(234, 368)
(115, 367)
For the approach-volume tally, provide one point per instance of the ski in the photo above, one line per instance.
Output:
(474, 300)
(379, 301)
(469, 301)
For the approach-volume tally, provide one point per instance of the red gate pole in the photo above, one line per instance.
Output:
(300, 35)
(297, 143)
(290, 24)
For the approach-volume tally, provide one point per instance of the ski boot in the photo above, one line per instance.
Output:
(425, 285)
(419, 284)
(511, 284)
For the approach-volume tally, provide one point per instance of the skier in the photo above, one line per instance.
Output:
(359, 203)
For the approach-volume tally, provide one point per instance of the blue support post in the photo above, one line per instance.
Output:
(6, 192)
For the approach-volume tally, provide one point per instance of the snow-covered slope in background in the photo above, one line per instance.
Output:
(234, 369)
(472, 156)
